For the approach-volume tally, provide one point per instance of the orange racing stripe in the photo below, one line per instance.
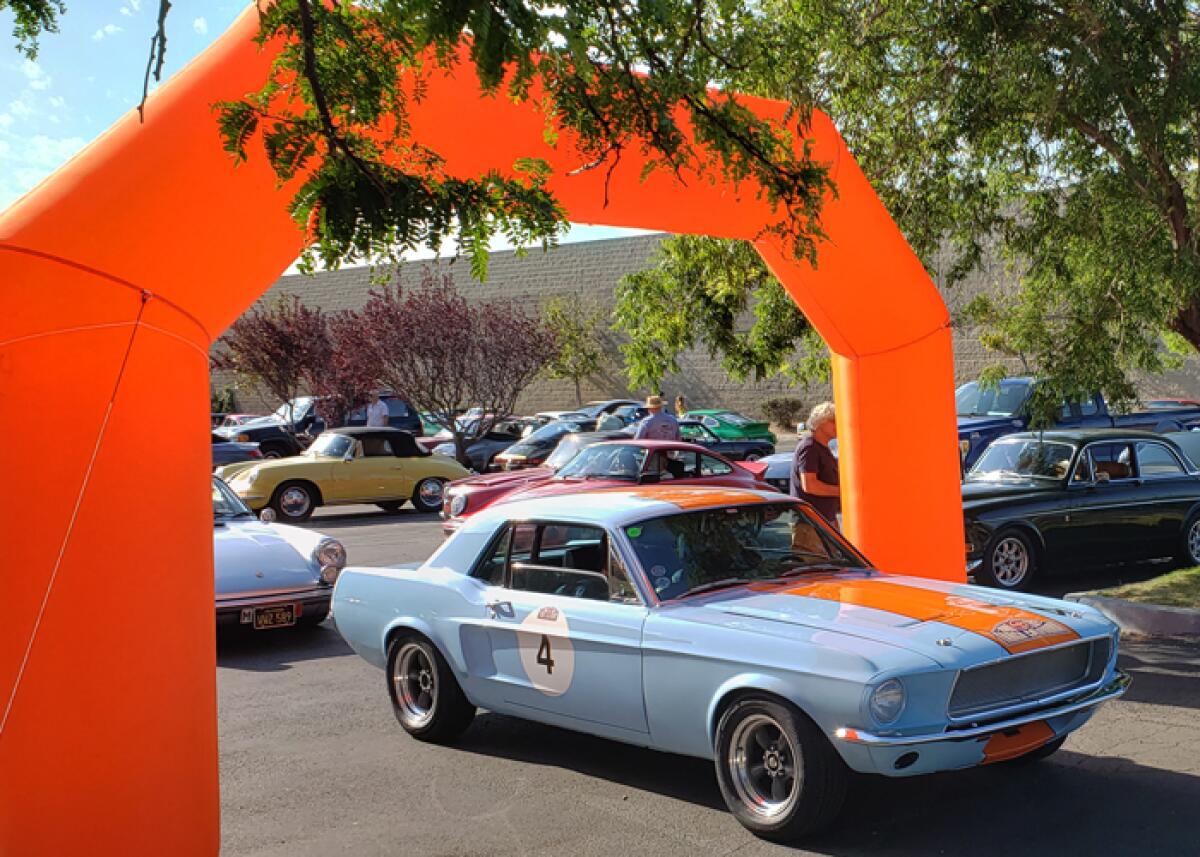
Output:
(1015, 629)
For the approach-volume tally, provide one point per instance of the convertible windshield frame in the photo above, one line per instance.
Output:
(238, 509)
(838, 553)
(321, 449)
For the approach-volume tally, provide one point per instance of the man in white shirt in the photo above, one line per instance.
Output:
(377, 412)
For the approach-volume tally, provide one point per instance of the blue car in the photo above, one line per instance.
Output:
(728, 624)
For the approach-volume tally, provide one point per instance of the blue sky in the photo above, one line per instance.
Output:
(90, 73)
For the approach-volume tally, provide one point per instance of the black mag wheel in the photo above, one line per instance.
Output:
(426, 698)
(779, 775)
(1009, 561)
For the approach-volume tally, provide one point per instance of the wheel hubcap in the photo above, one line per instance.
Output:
(416, 685)
(295, 501)
(763, 765)
(1010, 561)
(430, 492)
(1194, 542)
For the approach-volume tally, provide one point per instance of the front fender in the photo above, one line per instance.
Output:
(747, 682)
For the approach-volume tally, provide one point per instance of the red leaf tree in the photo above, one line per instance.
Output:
(351, 372)
(441, 353)
(282, 347)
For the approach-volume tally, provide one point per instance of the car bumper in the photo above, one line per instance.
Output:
(451, 525)
(240, 611)
(905, 755)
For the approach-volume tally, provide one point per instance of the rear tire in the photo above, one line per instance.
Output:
(1010, 561)
(779, 775)
(425, 695)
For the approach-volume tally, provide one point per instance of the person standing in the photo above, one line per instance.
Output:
(377, 411)
(815, 475)
(680, 407)
(658, 425)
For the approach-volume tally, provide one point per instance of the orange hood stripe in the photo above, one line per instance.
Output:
(1015, 629)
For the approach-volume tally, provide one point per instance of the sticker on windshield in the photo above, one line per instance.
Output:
(547, 656)
(633, 532)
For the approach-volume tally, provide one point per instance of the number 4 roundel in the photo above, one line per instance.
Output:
(547, 655)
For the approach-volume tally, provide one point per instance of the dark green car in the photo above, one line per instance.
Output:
(1037, 502)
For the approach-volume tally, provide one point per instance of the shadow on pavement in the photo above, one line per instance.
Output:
(1069, 804)
(277, 649)
(364, 516)
(1165, 672)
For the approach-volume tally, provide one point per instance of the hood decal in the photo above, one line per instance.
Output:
(1014, 629)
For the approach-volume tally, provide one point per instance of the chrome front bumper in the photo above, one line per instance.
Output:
(1113, 689)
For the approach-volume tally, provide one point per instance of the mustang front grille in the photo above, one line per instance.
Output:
(1028, 678)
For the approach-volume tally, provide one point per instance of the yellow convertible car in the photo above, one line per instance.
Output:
(384, 466)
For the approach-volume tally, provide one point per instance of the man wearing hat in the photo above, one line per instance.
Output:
(659, 425)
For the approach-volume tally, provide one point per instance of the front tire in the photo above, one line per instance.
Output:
(426, 698)
(1009, 561)
(428, 494)
(1189, 548)
(295, 502)
(778, 773)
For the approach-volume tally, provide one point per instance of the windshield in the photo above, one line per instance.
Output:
(608, 461)
(1022, 459)
(696, 551)
(299, 407)
(226, 504)
(567, 449)
(332, 445)
(972, 400)
(551, 431)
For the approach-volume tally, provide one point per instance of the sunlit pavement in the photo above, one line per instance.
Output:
(313, 762)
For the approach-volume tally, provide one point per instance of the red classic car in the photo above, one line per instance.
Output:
(605, 464)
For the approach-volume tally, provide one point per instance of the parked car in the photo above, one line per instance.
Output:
(383, 466)
(611, 463)
(273, 438)
(607, 406)
(467, 496)
(1169, 404)
(729, 625)
(229, 420)
(401, 415)
(535, 448)
(482, 450)
(730, 425)
(269, 575)
(1039, 502)
(986, 413)
(226, 451)
(779, 471)
(694, 431)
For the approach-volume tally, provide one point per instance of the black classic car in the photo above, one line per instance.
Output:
(694, 431)
(1038, 502)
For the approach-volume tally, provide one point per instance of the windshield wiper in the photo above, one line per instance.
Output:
(818, 566)
(723, 583)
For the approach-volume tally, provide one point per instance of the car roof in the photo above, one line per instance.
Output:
(655, 444)
(1084, 435)
(361, 431)
(619, 507)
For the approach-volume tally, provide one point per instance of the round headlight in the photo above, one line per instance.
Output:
(887, 701)
(247, 477)
(457, 505)
(330, 554)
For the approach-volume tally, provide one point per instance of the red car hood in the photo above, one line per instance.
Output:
(504, 478)
(554, 487)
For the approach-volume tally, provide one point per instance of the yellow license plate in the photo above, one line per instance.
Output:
(274, 617)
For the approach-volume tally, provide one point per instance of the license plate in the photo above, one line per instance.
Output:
(274, 617)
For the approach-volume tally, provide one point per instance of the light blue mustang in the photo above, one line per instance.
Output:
(731, 625)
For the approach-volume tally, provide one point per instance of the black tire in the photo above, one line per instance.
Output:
(756, 789)
(425, 695)
(287, 497)
(424, 499)
(1042, 752)
(273, 451)
(1189, 542)
(753, 455)
(392, 506)
(1010, 561)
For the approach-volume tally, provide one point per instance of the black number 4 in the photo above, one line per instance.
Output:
(544, 655)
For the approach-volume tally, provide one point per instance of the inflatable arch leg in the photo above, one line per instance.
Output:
(119, 271)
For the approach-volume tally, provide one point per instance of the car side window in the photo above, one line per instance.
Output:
(1083, 469)
(1115, 459)
(1155, 460)
(620, 585)
(570, 560)
(377, 447)
(682, 464)
(710, 422)
(710, 466)
(491, 567)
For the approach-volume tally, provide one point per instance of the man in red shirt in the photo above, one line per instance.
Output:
(814, 468)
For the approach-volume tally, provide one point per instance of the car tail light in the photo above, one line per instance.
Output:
(254, 453)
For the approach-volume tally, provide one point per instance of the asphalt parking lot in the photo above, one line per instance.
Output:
(313, 762)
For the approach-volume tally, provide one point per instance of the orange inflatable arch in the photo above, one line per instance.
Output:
(118, 273)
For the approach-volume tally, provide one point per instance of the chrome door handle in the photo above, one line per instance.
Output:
(500, 608)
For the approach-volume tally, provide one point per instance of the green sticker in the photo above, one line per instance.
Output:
(633, 532)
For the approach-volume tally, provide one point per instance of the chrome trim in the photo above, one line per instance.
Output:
(1115, 687)
(1022, 706)
(973, 565)
(285, 596)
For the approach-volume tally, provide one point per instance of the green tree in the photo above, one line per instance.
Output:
(699, 292)
(32, 18)
(577, 328)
